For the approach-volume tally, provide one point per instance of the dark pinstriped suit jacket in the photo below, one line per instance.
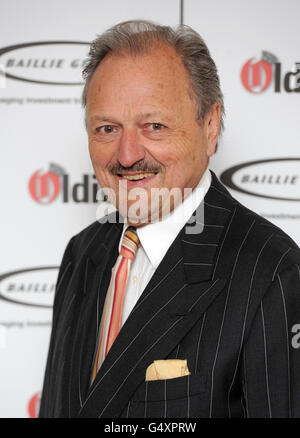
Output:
(227, 300)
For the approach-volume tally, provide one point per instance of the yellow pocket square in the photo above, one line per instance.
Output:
(167, 369)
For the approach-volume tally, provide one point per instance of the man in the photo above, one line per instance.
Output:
(192, 317)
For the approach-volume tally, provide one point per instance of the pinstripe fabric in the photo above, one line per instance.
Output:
(227, 300)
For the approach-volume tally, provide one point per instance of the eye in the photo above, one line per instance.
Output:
(156, 126)
(106, 129)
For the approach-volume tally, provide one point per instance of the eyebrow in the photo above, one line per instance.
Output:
(151, 114)
(140, 116)
(102, 118)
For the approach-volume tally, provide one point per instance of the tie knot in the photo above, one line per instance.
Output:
(130, 243)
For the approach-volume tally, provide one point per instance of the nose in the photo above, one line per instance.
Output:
(130, 148)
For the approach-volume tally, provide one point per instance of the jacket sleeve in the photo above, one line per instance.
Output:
(271, 355)
(62, 279)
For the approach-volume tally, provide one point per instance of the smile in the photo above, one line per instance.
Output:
(137, 179)
(138, 176)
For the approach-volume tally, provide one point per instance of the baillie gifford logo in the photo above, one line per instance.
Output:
(45, 186)
(258, 75)
(45, 62)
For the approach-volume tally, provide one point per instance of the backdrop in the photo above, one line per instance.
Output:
(47, 183)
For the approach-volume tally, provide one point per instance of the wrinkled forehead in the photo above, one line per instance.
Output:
(158, 73)
(155, 49)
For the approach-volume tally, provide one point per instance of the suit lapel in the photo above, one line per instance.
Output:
(183, 286)
(95, 276)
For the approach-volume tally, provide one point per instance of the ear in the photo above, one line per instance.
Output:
(212, 122)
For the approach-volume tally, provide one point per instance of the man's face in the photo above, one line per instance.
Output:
(142, 127)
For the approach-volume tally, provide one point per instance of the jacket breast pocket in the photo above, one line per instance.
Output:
(182, 397)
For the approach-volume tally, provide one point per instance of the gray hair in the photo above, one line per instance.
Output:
(139, 36)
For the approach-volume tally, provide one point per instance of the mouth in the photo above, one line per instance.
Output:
(137, 178)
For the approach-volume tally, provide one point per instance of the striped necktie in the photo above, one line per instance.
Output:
(113, 306)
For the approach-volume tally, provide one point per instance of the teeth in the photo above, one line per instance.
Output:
(137, 176)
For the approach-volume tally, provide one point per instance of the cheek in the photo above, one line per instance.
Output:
(100, 156)
(180, 154)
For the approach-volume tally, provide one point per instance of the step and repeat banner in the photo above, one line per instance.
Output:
(48, 189)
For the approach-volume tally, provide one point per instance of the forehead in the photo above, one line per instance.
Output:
(157, 74)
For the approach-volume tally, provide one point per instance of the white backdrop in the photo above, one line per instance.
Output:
(47, 182)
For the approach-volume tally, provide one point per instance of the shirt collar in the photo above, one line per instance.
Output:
(157, 237)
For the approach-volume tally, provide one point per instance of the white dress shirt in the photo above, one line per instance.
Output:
(155, 240)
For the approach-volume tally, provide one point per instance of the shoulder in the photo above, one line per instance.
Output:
(85, 237)
(269, 239)
(89, 239)
(253, 242)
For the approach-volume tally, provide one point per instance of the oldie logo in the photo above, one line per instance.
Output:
(33, 406)
(277, 178)
(45, 62)
(46, 185)
(30, 287)
(258, 74)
